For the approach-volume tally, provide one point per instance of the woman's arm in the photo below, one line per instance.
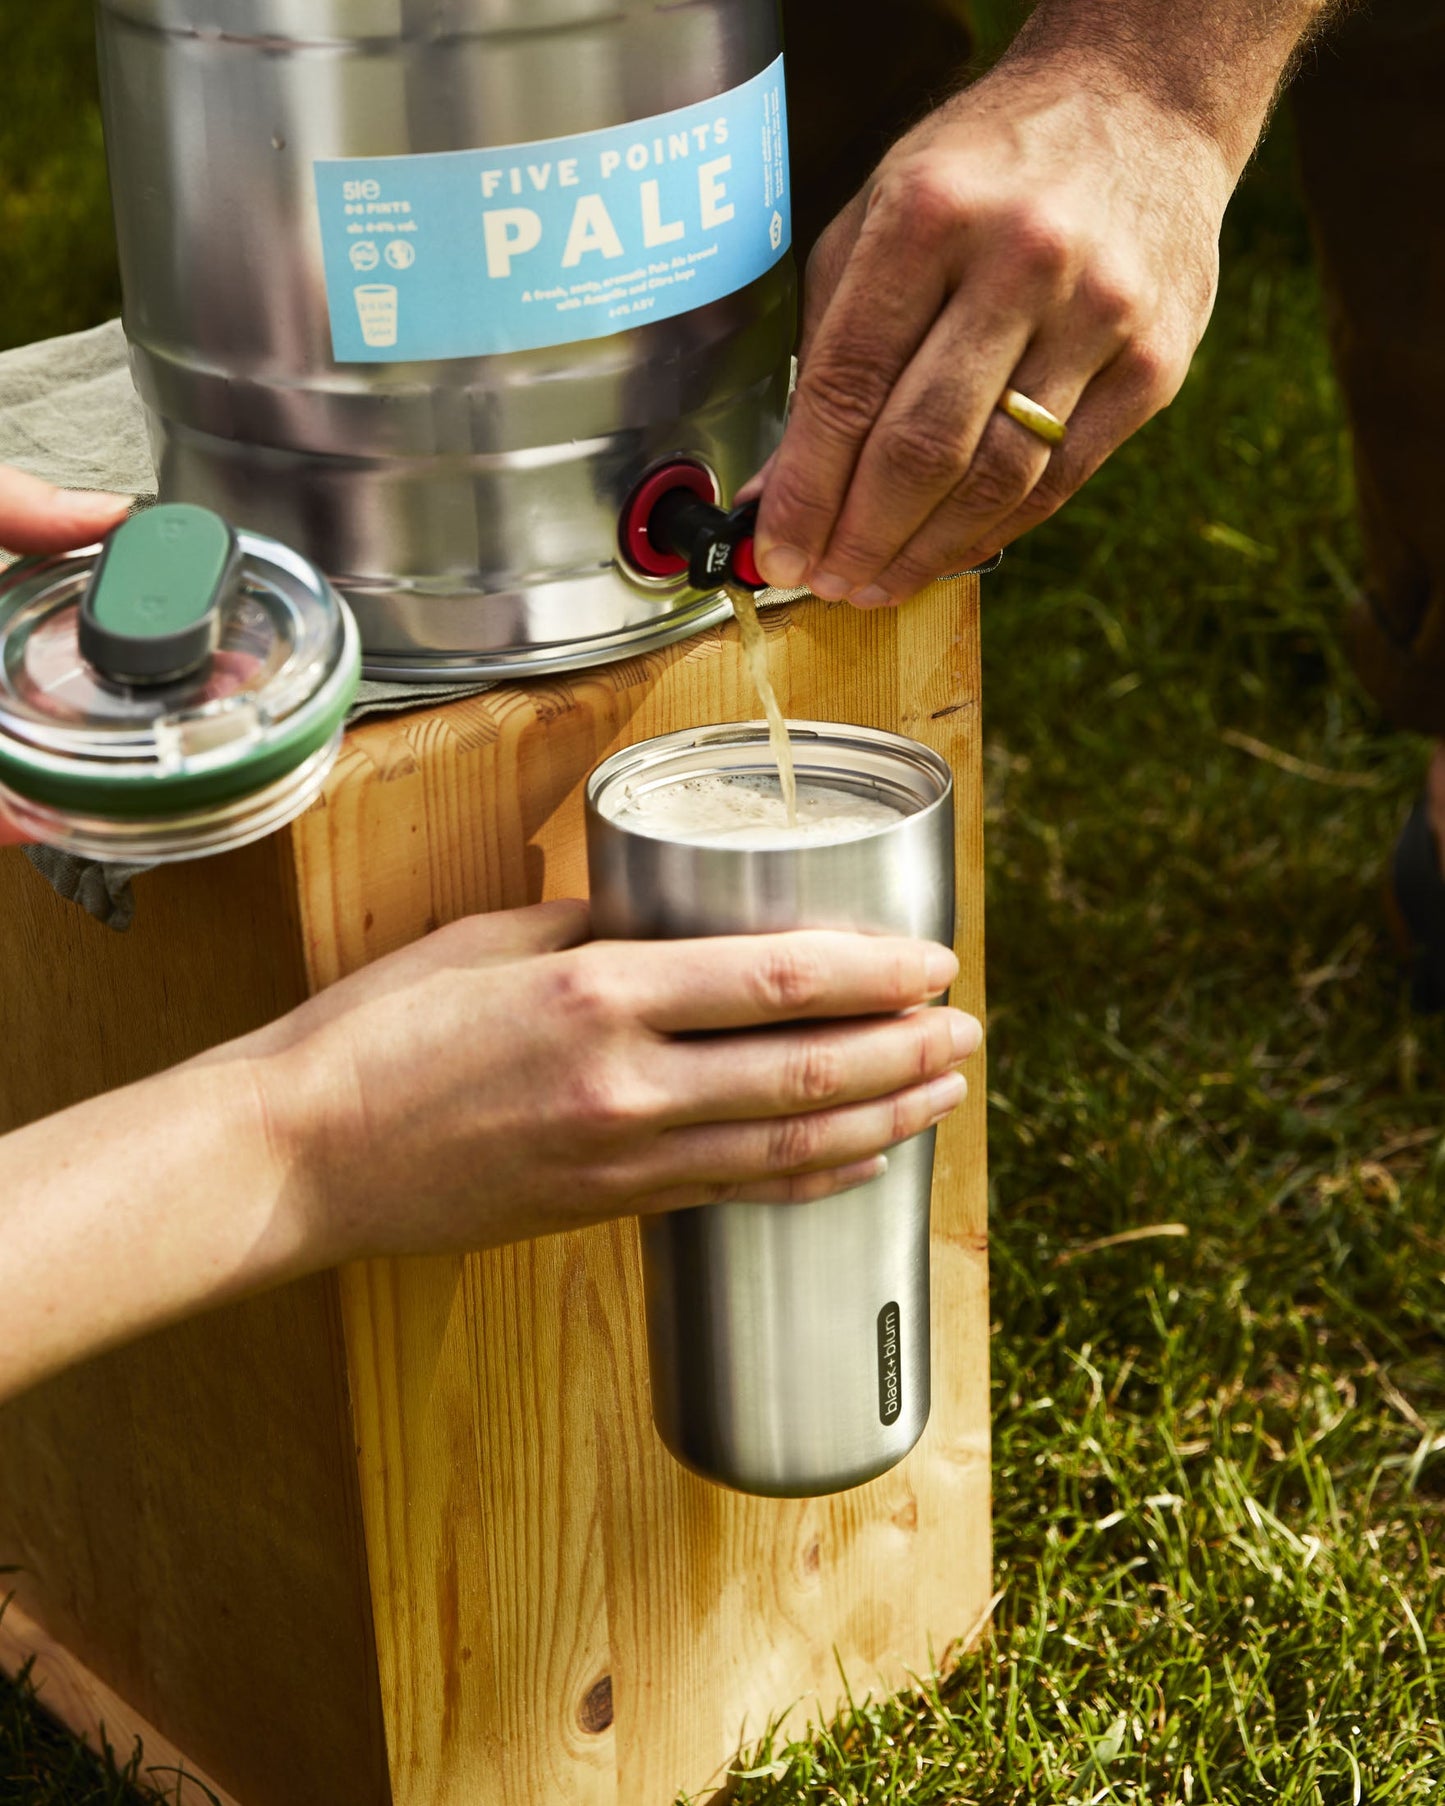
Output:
(139, 1207)
(502, 1078)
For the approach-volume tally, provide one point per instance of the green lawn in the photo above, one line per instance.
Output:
(1219, 1451)
(41, 1766)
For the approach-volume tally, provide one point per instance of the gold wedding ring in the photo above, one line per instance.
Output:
(1039, 421)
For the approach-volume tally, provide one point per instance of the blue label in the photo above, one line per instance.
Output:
(467, 253)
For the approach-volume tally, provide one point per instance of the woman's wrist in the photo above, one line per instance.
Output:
(291, 1119)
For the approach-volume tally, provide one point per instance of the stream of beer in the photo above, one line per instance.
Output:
(755, 651)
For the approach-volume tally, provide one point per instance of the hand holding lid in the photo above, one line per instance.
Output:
(175, 691)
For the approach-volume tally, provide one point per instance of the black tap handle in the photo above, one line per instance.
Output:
(716, 544)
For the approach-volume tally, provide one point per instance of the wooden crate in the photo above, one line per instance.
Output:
(402, 1535)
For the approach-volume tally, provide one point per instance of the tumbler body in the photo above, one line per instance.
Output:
(788, 1344)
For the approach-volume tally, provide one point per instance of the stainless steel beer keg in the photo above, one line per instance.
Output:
(430, 289)
(788, 1343)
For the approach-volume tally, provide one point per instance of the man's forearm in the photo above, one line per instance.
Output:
(1218, 65)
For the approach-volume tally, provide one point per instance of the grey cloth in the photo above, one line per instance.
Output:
(69, 413)
(102, 890)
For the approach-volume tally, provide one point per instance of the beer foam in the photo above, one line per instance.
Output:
(748, 812)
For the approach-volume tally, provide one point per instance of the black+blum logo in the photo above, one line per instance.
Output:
(890, 1366)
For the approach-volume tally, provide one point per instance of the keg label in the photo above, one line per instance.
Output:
(468, 253)
(890, 1365)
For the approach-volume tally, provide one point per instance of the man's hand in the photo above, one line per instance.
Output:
(1030, 234)
(505, 1077)
(1053, 229)
(37, 517)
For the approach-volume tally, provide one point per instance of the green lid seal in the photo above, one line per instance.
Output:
(152, 609)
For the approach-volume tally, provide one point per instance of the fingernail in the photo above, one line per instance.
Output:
(940, 969)
(864, 1171)
(872, 597)
(783, 566)
(829, 587)
(946, 1094)
(967, 1034)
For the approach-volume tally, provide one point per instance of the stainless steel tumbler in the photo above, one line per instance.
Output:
(788, 1343)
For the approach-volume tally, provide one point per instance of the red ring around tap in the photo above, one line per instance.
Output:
(745, 565)
(637, 511)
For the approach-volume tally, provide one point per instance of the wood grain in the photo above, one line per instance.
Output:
(563, 1614)
(184, 1512)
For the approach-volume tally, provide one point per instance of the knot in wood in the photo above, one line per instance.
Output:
(595, 1712)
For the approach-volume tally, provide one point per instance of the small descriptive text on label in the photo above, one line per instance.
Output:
(513, 247)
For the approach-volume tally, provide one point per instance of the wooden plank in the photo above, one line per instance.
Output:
(98, 1717)
(184, 1512)
(562, 1613)
(213, 953)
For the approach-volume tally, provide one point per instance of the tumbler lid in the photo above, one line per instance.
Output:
(176, 669)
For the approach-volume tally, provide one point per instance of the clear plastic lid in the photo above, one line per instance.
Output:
(178, 667)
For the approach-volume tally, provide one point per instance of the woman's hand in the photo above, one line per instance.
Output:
(497, 1080)
(1053, 229)
(504, 1077)
(38, 517)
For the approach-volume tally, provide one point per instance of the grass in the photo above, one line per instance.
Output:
(40, 1765)
(1219, 1454)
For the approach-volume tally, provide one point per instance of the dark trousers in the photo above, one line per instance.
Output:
(860, 72)
(1371, 121)
(1372, 139)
